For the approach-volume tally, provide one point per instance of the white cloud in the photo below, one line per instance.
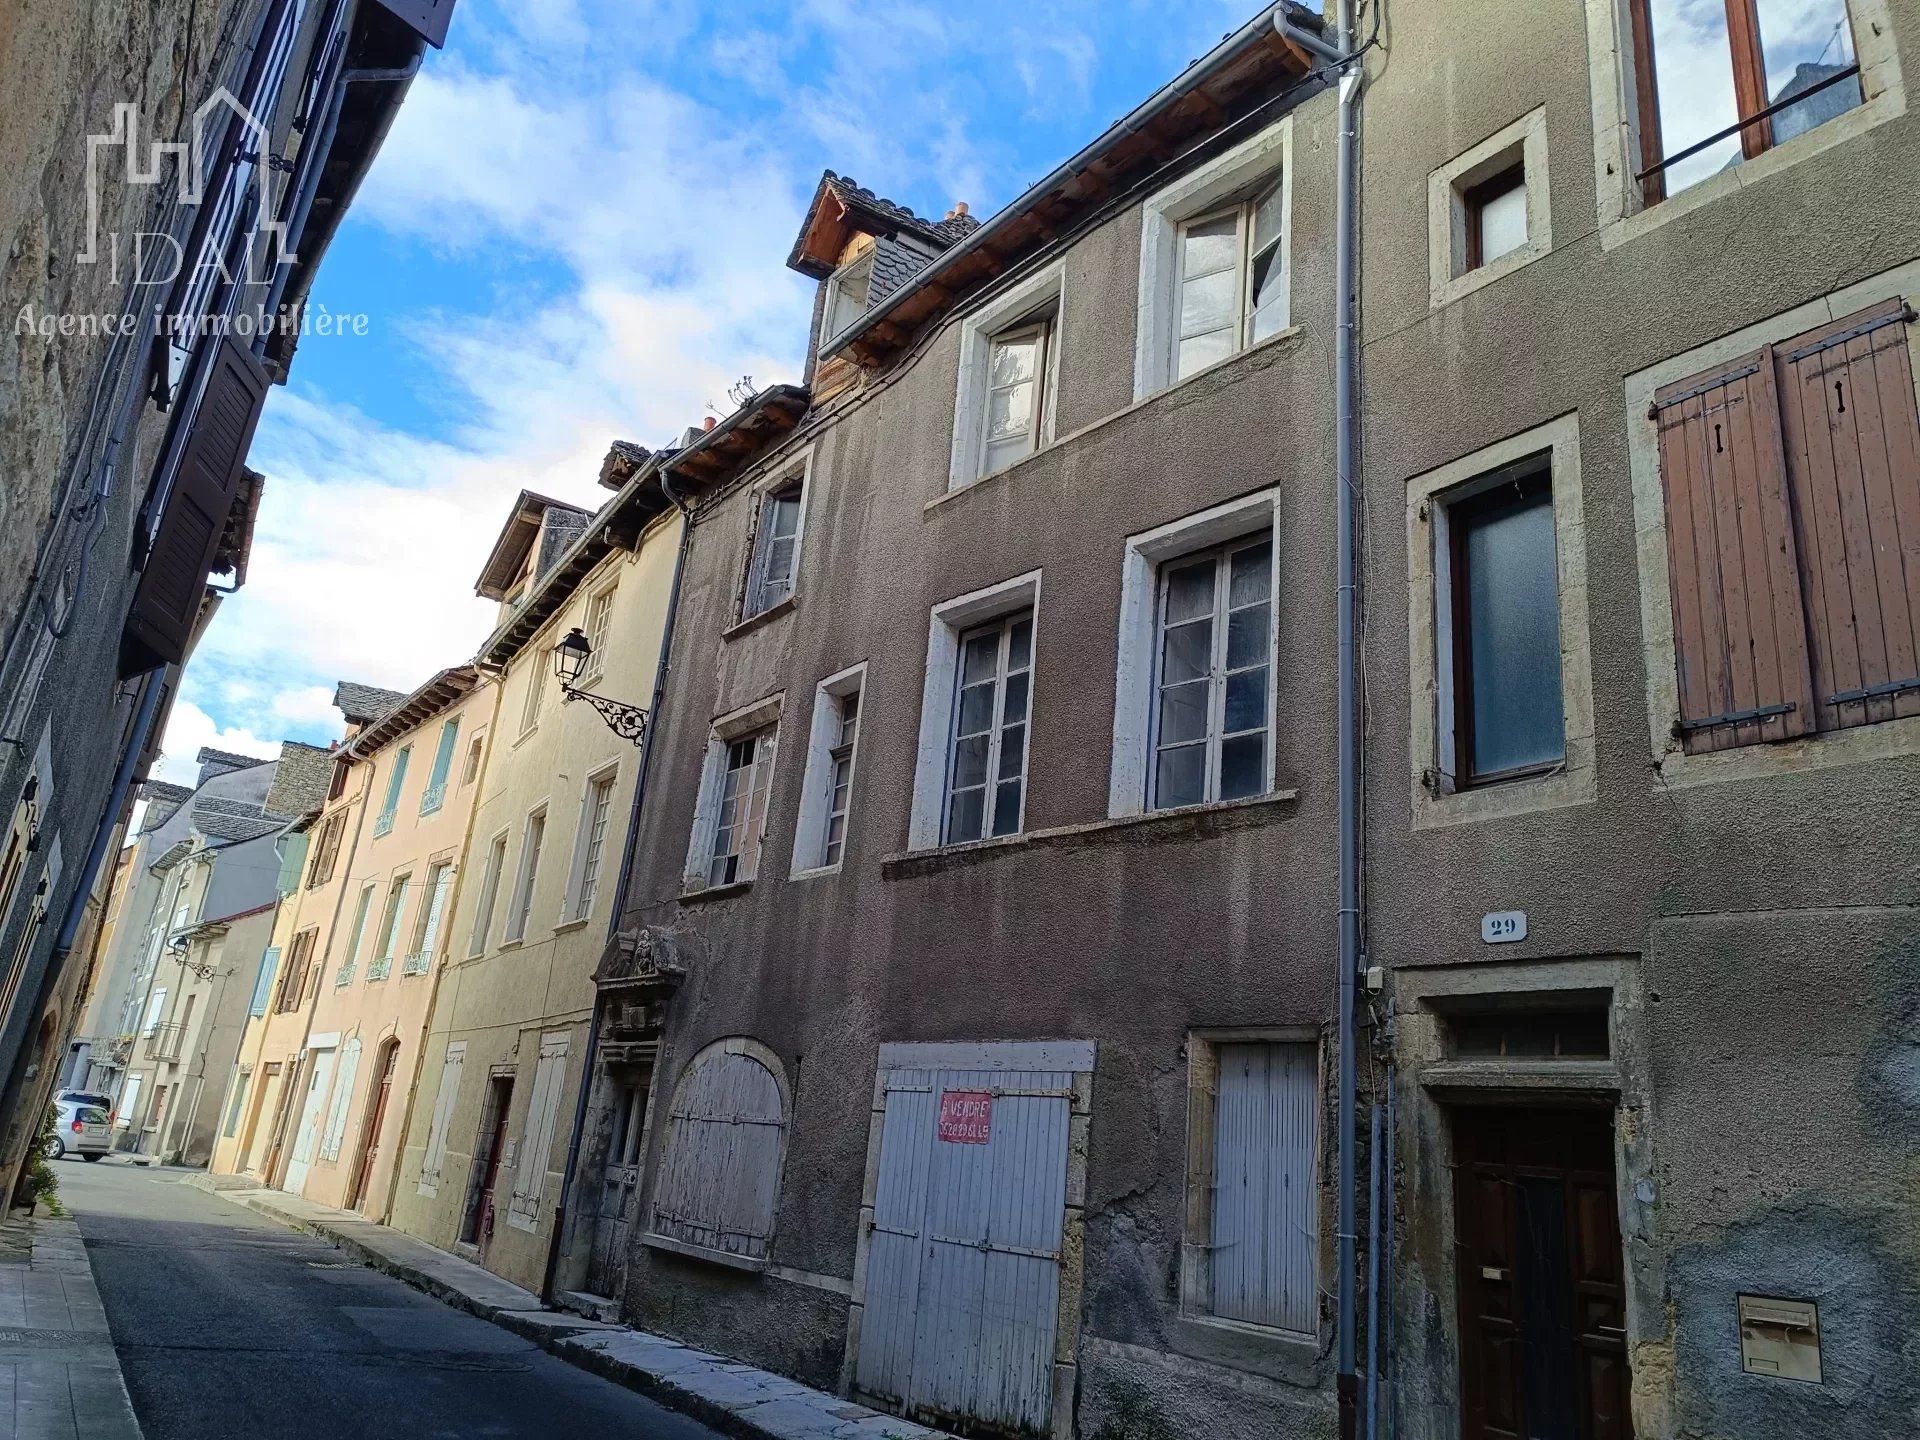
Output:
(190, 729)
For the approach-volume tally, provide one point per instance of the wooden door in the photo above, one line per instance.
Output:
(307, 1136)
(370, 1136)
(1542, 1292)
(619, 1182)
(479, 1222)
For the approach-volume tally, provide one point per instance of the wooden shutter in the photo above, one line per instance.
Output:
(443, 1103)
(1739, 636)
(1853, 449)
(335, 1133)
(722, 1172)
(167, 601)
(530, 1179)
(1265, 1241)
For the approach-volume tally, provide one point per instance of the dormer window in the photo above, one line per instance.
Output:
(847, 294)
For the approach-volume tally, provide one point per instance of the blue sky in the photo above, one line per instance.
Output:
(577, 231)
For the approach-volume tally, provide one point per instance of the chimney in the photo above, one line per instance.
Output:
(708, 423)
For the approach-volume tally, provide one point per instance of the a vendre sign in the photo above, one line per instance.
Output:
(966, 1117)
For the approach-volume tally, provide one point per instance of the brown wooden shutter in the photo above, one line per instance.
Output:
(1853, 449)
(167, 602)
(1739, 634)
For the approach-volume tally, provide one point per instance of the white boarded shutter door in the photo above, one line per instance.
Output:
(1265, 1220)
(442, 1113)
(335, 1133)
(543, 1110)
(723, 1157)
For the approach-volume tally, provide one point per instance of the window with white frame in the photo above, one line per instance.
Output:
(396, 782)
(987, 760)
(471, 771)
(848, 291)
(1215, 261)
(776, 548)
(1252, 1248)
(1009, 377)
(1488, 210)
(435, 794)
(433, 910)
(590, 844)
(740, 814)
(826, 794)
(1016, 395)
(382, 963)
(532, 837)
(599, 628)
(1194, 691)
(361, 909)
(970, 774)
(1213, 680)
(530, 702)
(496, 865)
(720, 1164)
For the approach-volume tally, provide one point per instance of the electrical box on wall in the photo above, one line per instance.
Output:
(1780, 1338)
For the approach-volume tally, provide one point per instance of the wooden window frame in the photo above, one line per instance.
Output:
(1222, 554)
(1475, 199)
(1748, 61)
(493, 869)
(1533, 476)
(755, 788)
(1038, 328)
(527, 874)
(599, 628)
(841, 757)
(583, 872)
(1246, 256)
(756, 601)
(1002, 627)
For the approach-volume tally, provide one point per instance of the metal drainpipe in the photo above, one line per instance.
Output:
(1340, 55)
(629, 851)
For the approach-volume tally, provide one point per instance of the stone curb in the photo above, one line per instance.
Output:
(719, 1393)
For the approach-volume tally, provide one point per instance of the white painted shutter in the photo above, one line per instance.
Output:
(436, 911)
(722, 1172)
(530, 1179)
(336, 1131)
(1265, 1216)
(436, 1155)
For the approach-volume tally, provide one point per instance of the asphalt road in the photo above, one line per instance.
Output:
(227, 1324)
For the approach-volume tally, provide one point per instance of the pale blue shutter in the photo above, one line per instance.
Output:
(1266, 1248)
(442, 763)
(263, 983)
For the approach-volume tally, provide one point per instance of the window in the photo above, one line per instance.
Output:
(1496, 216)
(1232, 287)
(1786, 476)
(827, 791)
(598, 627)
(334, 1133)
(1214, 261)
(236, 1103)
(532, 837)
(536, 1148)
(351, 957)
(720, 1164)
(589, 845)
(434, 1160)
(1719, 85)
(1253, 1207)
(471, 771)
(987, 760)
(1489, 211)
(741, 820)
(1214, 681)
(776, 549)
(293, 980)
(1016, 395)
(396, 779)
(1498, 601)
(382, 963)
(436, 792)
(263, 980)
(426, 932)
(156, 1003)
(536, 688)
(489, 893)
(847, 294)
(327, 852)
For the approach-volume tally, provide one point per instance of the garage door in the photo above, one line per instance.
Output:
(966, 1238)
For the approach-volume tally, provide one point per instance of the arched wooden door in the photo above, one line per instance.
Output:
(376, 1117)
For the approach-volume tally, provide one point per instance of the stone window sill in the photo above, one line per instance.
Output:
(1277, 1354)
(765, 617)
(1191, 822)
(701, 1252)
(567, 927)
(715, 892)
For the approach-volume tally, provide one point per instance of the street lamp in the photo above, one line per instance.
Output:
(570, 658)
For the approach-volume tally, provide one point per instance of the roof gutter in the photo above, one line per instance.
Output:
(1272, 18)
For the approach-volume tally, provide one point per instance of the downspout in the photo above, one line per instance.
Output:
(1346, 480)
(629, 853)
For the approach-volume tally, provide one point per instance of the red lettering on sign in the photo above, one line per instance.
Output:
(966, 1117)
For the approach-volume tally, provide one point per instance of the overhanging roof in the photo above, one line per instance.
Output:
(418, 708)
(715, 457)
(1244, 70)
(518, 536)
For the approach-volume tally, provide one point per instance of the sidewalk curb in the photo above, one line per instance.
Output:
(718, 1392)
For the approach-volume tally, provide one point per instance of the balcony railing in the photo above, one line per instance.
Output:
(415, 964)
(165, 1041)
(343, 977)
(379, 967)
(435, 797)
(383, 825)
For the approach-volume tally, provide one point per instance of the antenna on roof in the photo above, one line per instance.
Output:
(741, 391)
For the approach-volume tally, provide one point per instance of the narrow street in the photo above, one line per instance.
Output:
(227, 1324)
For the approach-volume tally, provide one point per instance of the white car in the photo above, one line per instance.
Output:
(80, 1129)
